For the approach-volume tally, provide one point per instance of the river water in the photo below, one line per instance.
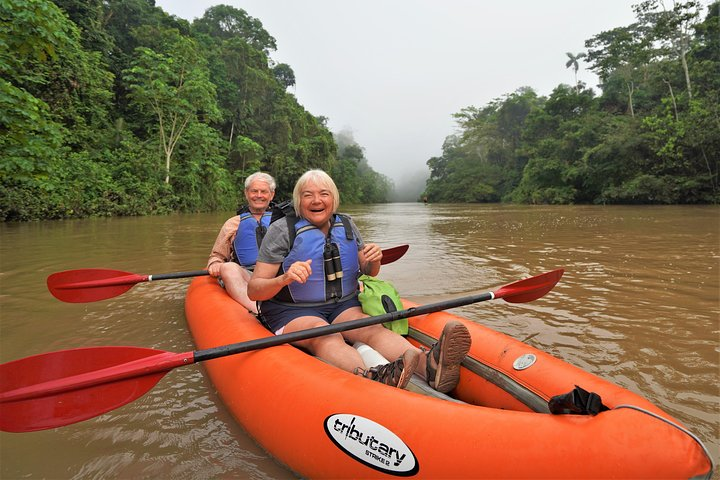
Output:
(639, 305)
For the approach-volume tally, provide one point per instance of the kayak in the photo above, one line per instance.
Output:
(322, 422)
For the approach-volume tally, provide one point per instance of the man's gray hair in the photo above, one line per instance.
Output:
(263, 177)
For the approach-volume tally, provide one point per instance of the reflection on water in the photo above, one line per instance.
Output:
(638, 305)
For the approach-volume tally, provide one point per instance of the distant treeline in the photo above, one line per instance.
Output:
(652, 136)
(114, 107)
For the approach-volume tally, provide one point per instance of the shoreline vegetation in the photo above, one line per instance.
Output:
(115, 108)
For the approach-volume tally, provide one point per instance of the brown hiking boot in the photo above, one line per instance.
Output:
(443, 359)
(397, 373)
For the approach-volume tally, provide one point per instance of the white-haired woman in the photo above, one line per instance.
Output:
(234, 253)
(299, 286)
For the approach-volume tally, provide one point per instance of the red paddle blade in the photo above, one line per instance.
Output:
(394, 253)
(59, 388)
(91, 284)
(529, 289)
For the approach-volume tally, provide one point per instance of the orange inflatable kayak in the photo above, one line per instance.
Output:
(322, 422)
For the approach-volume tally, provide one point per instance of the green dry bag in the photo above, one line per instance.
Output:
(379, 297)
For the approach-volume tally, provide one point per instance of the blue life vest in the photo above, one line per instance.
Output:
(310, 243)
(249, 236)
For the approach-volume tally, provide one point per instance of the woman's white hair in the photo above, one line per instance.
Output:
(321, 179)
(260, 176)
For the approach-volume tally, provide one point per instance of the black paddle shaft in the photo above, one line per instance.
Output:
(171, 276)
(260, 343)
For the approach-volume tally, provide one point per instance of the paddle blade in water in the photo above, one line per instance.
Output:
(55, 389)
(529, 289)
(392, 254)
(91, 284)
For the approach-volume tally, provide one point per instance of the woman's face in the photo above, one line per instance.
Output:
(316, 204)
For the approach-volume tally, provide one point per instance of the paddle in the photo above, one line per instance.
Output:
(94, 284)
(60, 388)
(394, 253)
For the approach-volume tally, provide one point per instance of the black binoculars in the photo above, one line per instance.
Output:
(331, 261)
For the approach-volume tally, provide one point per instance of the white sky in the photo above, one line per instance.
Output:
(394, 71)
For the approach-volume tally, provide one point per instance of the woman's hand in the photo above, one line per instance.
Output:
(370, 257)
(265, 283)
(298, 272)
(372, 252)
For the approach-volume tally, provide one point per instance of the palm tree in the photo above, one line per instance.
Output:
(573, 62)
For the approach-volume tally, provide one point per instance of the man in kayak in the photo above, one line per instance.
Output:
(235, 250)
(306, 276)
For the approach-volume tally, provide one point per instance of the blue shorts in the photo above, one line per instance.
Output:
(276, 315)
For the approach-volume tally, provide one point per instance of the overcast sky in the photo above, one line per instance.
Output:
(394, 71)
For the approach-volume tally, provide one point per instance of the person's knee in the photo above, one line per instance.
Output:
(229, 268)
(327, 343)
(232, 272)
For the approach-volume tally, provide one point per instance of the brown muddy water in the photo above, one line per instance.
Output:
(639, 305)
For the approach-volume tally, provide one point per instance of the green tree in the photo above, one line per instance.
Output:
(121, 20)
(226, 22)
(670, 30)
(89, 17)
(573, 62)
(174, 87)
(201, 183)
(619, 57)
(284, 75)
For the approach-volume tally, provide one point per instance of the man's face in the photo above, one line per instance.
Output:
(258, 196)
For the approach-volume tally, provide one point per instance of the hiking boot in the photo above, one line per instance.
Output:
(397, 373)
(443, 359)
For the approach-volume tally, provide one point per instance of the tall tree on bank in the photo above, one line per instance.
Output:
(573, 62)
(173, 85)
(225, 22)
(620, 58)
(671, 29)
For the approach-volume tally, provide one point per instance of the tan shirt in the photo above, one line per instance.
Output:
(222, 249)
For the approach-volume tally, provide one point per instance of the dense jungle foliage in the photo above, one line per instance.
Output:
(652, 136)
(114, 107)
